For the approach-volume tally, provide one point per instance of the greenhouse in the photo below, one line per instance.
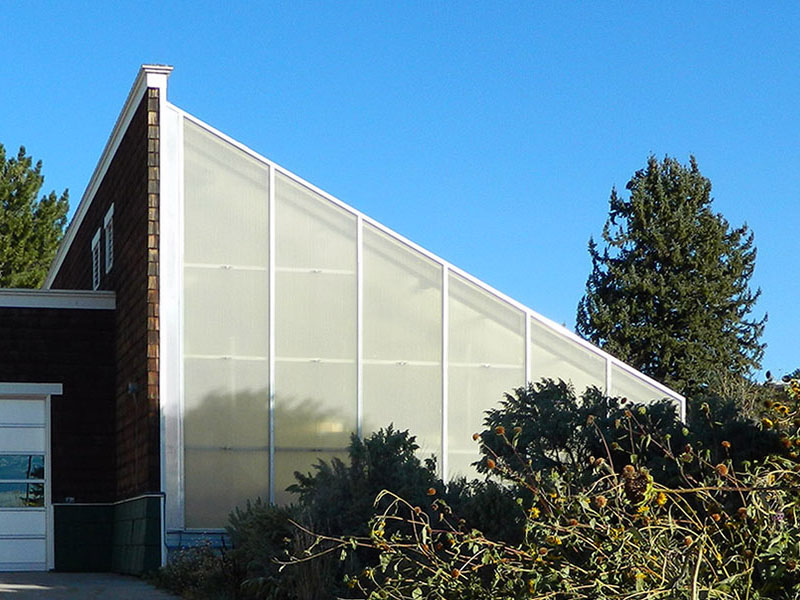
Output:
(306, 321)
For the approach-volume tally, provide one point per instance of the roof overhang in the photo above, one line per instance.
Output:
(150, 76)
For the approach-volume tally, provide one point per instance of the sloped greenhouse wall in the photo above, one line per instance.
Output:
(305, 321)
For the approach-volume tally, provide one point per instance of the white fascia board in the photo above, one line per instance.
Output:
(529, 312)
(30, 390)
(150, 76)
(83, 299)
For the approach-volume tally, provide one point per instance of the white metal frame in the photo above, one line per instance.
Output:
(447, 269)
(40, 391)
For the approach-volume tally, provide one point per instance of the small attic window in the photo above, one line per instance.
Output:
(108, 234)
(96, 260)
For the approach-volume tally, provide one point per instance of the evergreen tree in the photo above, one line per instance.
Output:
(30, 229)
(669, 293)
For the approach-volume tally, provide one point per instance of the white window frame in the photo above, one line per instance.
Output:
(108, 234)
(96, 260)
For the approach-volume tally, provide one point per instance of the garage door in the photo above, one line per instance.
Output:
(23, 484)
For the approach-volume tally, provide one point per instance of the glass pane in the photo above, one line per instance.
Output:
(486, 359)
(22, 411)
(226, 328)
(226, 403)
(318, 408)
(22, 466)
(312, 232)
(226, 202)
(22, 439)
(402, 301)
(402, 333)
(484, 328)
(472, 390)
(21, 495)
(555, 356)
(218, 480)
(408, 396)
(226, 312)
(316, 313)
(631, 387)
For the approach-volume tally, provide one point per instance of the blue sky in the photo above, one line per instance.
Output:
(490, 133)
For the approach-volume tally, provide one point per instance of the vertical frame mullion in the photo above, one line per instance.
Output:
(359, 326)
(445, 361)
(271, 279)
(528, 349)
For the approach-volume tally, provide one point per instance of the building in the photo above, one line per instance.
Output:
(213, 323)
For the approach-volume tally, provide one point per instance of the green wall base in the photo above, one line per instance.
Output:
(123, 537)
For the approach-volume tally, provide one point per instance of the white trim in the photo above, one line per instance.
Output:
(271, 216)
(108, 236)
(150, 76)
(445, 404)
(50, 533)
(30, 390)
(360, 327)
(96, 260)
(528, 350)
(83, 299)
(170, 270)
(40, 391)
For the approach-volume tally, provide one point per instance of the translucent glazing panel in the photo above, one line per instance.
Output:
(226, 202)
(289, 461)
(22, 439)
(312, 232)
(22, 411)
(226, 403)
(22, 466)
(402, 301)
(23, 522)
(21, 495)
(557, 357)
(317, 408)
(23, 552)
(410, 397)
(226, 311)
(483, 328)
(316, 315)
(472, 390)
(218, 480)
(631, 387)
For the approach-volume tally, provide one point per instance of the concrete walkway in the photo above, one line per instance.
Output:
(77, 586)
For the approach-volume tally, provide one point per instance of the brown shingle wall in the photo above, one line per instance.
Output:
(131, 183)
(75, 348)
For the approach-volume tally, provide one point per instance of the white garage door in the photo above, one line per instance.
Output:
(23, 485)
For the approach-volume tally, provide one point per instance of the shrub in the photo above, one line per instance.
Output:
(199, 573)
(338, 497)
(633, 505)
(261, 534)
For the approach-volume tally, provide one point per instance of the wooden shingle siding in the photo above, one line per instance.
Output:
(73, 347)
(131, 184)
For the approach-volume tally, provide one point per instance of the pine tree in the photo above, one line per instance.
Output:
(30, 229)
(669, 294)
